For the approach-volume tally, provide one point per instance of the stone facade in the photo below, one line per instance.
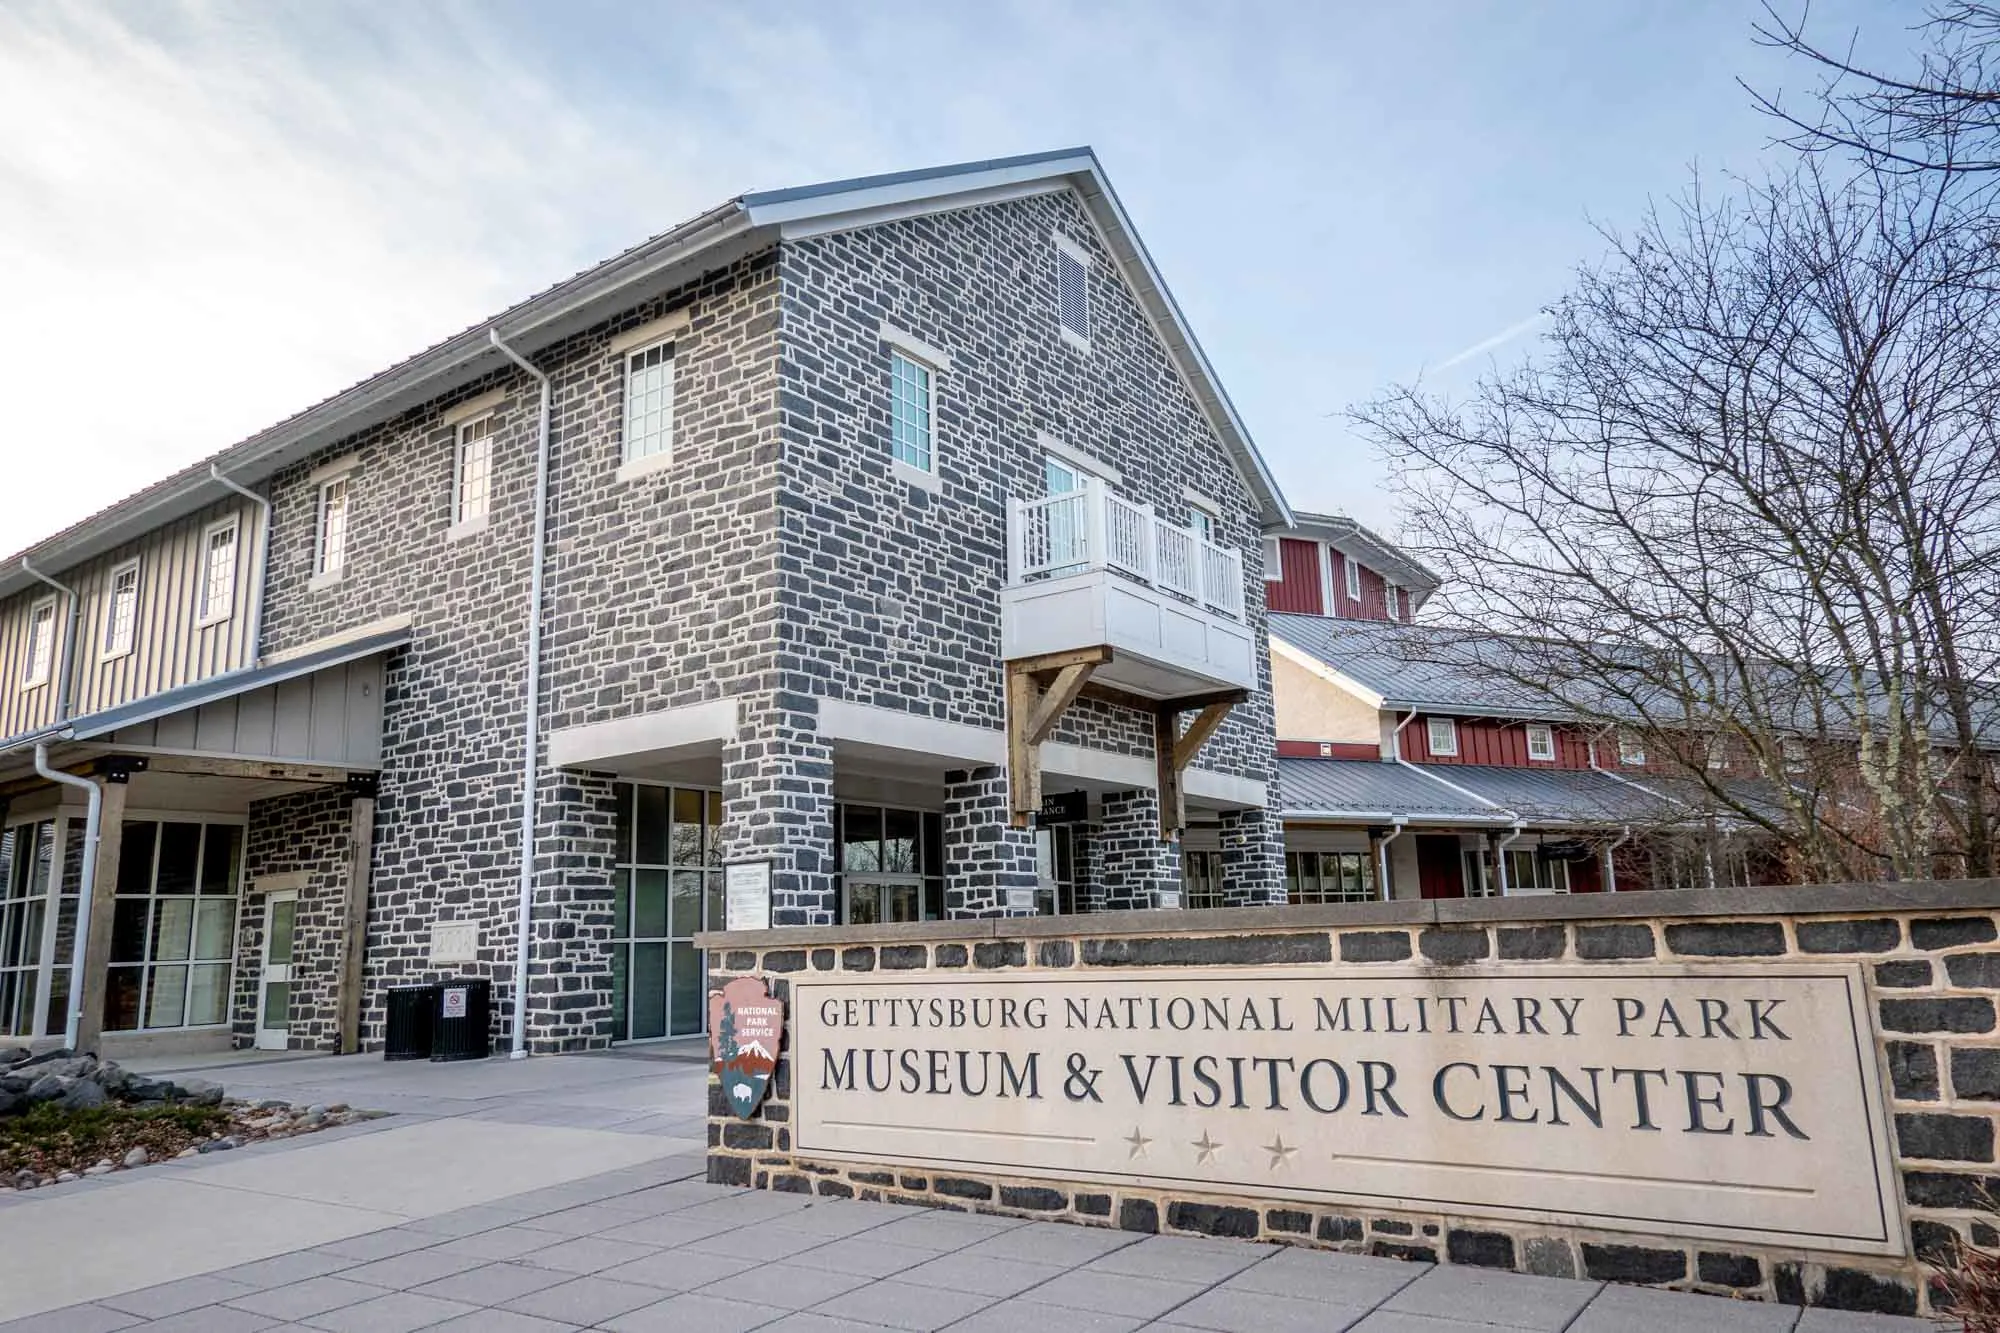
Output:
(301, 835)
(1931, 955)
(775, 561)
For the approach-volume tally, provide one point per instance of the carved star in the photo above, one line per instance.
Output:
(1281, 1152)
(1206, 1148)
(1139, 1144)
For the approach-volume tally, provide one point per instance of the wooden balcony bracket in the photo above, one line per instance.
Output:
(1039, 691)
(1175, 749)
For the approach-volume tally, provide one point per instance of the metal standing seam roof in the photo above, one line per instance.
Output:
(94, 726)
(737, 227)
(1364, 788)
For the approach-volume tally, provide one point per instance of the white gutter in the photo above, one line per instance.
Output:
(531, 732)
(1397, 738)
(1610, 867)
(1591, 750)
(263, 559)
(69, 637)
(1500, 856)
(92, 822)
(1382, 857)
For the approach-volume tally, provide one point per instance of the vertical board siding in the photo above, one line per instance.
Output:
(1440, 871)
(1299, 589)
(333, 716)
(168, 648)
(1486, 741)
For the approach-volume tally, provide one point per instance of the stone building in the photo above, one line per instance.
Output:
(890, 540)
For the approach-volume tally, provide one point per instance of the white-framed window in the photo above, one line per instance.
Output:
(1073, 292)
(912, 412)
(216, 601)
(41, 656)
(1390, 593)
(1442, 733)
(1541, 742)
(649, 402)
(1530, 872)
(474, 487)
(1353, 576)
(1273, 571)
(1793, 751)
(121, 610)
(1631, 749)
(335, 501)
(1202, 521)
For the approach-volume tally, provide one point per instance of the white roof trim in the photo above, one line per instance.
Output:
(1300, 658)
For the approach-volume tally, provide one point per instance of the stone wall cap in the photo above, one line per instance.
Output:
(1777, 900)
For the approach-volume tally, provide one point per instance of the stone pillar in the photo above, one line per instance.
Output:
(1136, 866)
(354, 914)
(569, 956)
(989, 865)
(1089, 872)
(88, 990)
(777, 803)
(1253, 859)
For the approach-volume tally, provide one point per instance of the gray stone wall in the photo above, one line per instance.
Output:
(302, 833)
(1931, 956)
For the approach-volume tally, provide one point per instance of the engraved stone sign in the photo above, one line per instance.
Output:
(745, 1028)
(1713, 1100)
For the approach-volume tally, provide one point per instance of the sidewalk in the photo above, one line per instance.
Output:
(472, 1213)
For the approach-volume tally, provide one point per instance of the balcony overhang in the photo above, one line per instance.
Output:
(1161, 647)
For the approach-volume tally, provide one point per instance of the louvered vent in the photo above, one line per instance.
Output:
(1073, 293)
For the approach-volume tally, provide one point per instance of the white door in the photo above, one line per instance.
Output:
(274, 989)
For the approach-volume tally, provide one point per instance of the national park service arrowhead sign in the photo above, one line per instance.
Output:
(745, 1027)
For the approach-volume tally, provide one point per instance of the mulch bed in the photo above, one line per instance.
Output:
(48, 1142)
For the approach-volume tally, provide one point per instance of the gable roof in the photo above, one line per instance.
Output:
(710, 240)
(1371, 548)
(1418, 667)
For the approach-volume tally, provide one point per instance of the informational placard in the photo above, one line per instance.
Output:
(1728, 1100)
(453, 1005)
(1063, 807)
(746, 895)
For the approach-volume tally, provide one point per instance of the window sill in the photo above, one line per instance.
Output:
(916, 476)
(1075, 340)
(210, 622)
(644, 467)
(471, 527)
(326, 579)
(102, 658)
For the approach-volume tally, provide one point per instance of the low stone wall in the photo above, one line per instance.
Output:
(1932, 970)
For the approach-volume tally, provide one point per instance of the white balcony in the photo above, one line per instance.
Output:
(1089, 568)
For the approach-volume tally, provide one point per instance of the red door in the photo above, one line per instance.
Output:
(1440, 871)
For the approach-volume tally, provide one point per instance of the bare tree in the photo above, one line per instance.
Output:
(1944, 115)
(1745, 500)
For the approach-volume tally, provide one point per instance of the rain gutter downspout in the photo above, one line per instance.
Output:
(1500, 862)
(1382, 855)
(69, 637)
(263, 559)
(92, 822)
(531, 730)
(1610, 866)
(1500, 854)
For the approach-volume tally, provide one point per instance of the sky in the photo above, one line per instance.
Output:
(214, 214)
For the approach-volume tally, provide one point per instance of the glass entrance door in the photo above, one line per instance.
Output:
(668, 887)
(274, 986)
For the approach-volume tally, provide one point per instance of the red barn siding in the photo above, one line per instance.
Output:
(1586, 876)
(1299, 589)
(1440, 872)
(1485, 741)
(1335, 750)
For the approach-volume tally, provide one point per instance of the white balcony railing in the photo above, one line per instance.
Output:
(1093, 528)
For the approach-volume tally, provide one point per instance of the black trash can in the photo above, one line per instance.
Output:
(407, 1034)
(460, 1020)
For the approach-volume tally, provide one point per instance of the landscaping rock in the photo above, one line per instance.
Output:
(223, 1144)
(12, 1103)
(139, 1088)
(50, 1087)
(65, 1177)
(197, 1092)
(35, 1061)
(101, 1169)
(13, 1055)
(83, 1095)
(77, 1066)
(138, 1156)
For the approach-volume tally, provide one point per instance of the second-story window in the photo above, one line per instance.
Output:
(649, 402)
(1442, 733)
(475, 470)
(1202, 522)
(41, 643)
(912, 438)
(217, 600)
(1353, 573)
(121, 610)
(1631, 749)
(335, 499)
(1541, 742)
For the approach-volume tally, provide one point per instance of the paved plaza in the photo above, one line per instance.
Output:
(567, 1193)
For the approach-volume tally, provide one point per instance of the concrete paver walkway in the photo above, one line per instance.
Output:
(438, 1219)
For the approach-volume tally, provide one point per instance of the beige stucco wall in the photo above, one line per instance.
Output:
(1312, 708)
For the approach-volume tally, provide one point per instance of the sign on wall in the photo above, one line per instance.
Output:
(1063, 807)
(745, 1028)
(1718, 1101)
(746, 895)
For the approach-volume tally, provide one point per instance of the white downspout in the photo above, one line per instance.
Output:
(1610, 867)
(92, 819)
(263, 560)
(1500, 854)
(531, 731)
(1382, 857)
(69, 637)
